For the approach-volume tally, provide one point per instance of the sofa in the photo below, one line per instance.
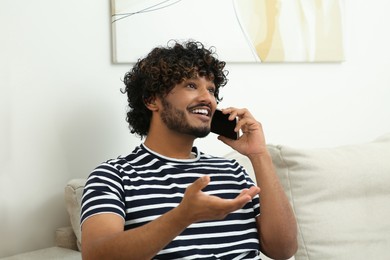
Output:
(340, 196)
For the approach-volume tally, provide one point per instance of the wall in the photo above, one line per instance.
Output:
(61, 111)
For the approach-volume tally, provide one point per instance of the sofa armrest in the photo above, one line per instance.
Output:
(66, 238)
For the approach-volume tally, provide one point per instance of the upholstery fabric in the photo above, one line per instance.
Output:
(73, 195)
(47, 253)
(340, 196)
(66, 238)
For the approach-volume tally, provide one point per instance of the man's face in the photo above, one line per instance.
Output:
(189, 106)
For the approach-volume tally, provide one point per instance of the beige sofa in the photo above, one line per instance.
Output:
(340, 196)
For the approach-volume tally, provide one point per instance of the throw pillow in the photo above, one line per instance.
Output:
(73, 194)
(340, 197)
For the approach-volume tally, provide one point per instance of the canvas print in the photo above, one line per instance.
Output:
(241, 30)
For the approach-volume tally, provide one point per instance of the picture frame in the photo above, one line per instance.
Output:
(254, 31)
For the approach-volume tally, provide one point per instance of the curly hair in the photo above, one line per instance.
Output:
(164, 67)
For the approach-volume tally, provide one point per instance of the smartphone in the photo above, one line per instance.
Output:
(221, 125)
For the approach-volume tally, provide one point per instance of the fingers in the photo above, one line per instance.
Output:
(199, 184)
(239, 202)
(246, 122)
(243, 198)
(247, 195)
(209, 207)
(253, 191)
(237, 112)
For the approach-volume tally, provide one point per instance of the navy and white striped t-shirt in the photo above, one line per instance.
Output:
(144, 185)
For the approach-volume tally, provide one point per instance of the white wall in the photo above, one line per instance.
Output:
(61, 111)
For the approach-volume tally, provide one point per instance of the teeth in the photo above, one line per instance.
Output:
(200, 111)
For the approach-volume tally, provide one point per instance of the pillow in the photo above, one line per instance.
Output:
(73, 194)
(66, 238)
(340, 196)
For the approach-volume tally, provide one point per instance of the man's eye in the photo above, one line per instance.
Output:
(191, 85)
(212, 90)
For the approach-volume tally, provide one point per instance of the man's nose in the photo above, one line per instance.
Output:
(206, 95)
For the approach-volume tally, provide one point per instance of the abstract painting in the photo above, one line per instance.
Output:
(241, 30)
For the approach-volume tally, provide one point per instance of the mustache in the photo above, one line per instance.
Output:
(200, 105)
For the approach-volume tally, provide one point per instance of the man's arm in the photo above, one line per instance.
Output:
(276, 223)
(103, 236)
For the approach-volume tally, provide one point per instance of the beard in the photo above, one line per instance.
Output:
(176, 120)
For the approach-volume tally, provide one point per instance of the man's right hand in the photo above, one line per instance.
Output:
(198, 206)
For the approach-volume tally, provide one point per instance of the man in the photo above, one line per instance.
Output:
(167, 200)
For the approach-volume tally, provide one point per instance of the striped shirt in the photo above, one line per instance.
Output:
(144, 185)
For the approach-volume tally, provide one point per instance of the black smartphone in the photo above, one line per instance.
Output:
(221, 125)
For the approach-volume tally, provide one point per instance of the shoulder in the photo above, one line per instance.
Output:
(116, 168)
(112, 168)
(218, 159)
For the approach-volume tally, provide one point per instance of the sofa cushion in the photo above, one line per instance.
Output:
(66, 238)
(340, 197)
(54, 252)
(73, 194)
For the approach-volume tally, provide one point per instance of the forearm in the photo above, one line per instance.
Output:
(103, 236)
(140, 243)
(277, 224)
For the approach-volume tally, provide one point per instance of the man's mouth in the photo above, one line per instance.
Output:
(201, 111)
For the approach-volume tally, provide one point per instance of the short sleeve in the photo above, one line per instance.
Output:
(103, 193)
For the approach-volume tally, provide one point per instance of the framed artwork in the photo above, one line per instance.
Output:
(241, 30)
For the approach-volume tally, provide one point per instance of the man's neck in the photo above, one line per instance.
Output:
(173, 146)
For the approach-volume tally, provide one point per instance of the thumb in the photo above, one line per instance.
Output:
(200, 183)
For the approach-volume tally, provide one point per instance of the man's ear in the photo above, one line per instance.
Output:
(151, 104)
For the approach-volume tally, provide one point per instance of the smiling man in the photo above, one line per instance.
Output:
(168, 200)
